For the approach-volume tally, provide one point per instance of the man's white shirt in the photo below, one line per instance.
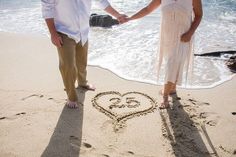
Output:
(71, 17)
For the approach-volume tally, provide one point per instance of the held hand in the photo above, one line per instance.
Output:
(186, 37)
(127, 19)
(56, 39)
(122, 18)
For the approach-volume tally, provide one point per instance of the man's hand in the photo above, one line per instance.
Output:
(56, 39)
(186, 37)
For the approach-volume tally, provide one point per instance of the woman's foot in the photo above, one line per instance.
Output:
(165, 104)
(72, 104)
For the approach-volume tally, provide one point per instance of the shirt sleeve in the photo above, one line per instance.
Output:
(48, 8)
(103, 3)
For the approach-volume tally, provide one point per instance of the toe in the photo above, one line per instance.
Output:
(72, 105)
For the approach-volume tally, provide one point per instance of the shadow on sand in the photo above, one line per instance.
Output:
(182, 132)
(67, 136)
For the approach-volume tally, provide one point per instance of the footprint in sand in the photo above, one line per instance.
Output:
(130, 152)
(204, 103)
(126, 154)
(211, 118)
(61, 101)
(195, 102)
(203, 115)
(87, 145)
(13, 117)
(225, 150)
(22, 113)
(212, 122)
(77, 147)
(40, 96)
(1, 118)
(33, 95)
(74, 141)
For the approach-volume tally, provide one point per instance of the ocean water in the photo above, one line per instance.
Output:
(131, 50)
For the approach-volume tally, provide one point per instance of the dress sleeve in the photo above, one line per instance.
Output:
(48, 8)
(103, 3)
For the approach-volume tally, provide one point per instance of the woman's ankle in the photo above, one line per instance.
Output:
(165, 97)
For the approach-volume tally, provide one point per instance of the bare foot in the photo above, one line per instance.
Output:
(88, 87)
(72, 104)
(165, 104)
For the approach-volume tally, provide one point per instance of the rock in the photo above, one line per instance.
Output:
(216, 54)
(230, 56)
(231, 63)
(102, 21)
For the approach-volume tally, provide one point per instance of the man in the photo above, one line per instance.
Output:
(68, 24)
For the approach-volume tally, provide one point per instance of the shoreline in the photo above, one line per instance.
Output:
(35, 122)
(132, 79)
(150, 83)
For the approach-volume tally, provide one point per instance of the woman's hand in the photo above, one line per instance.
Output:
(186, 37)
(122, 18)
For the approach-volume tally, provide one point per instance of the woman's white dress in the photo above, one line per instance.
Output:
(175, 56)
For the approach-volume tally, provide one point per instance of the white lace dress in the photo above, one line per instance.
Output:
(175, 57)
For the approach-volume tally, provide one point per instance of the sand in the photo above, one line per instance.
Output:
(120, 119)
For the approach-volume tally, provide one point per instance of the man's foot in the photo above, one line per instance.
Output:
(72, 104)
(161, 92)
(88, 87)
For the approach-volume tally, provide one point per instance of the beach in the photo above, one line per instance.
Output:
(35, 122)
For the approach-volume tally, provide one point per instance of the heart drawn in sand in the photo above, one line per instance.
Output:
(121, 107)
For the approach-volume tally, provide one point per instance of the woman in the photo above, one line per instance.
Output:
(180, 19)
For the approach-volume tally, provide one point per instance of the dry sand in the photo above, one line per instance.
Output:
(119, 119)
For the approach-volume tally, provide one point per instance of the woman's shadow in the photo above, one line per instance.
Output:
(180, 129)
(67, 136)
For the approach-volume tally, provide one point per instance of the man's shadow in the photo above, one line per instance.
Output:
(184, 136)
(67, 136)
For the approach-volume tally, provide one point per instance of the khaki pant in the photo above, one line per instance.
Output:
(72, 65)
